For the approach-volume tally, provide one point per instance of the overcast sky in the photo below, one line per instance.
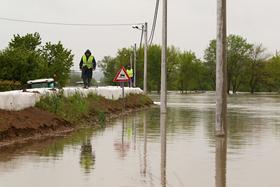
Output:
(191, 23)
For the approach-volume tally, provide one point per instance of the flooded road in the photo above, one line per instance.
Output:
(146, 149)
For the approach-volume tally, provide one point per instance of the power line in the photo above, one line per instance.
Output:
(70, 24)
(154, 23)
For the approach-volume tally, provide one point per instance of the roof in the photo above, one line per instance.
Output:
(40, 81)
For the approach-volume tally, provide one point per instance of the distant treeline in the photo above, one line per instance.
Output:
(250, 67)
(26, 58)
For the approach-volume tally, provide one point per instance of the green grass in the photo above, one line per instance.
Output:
(76, 108)
(70, 108)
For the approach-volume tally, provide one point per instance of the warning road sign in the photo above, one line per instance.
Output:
(122, 76)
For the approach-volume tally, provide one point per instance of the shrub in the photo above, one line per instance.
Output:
(6, 85)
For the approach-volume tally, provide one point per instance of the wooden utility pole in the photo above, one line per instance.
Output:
(163, 94)
(134, 71)
(145, 57)
(221, 69)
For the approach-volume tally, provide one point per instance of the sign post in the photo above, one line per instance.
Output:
(122, 77)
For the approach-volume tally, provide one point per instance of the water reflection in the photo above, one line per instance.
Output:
(144, 172)
(56, 148)
(122, 146)
(134, 129)
(87, 157)
(163, 149)
(146, 149)
(221, 161)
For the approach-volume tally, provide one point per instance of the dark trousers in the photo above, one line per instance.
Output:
(87, 76)
(130, 82)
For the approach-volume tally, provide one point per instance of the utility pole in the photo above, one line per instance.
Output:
(144, 30)
(221, 69)
(163, 95)
(145, 56)
(134, 71)
(130, 60)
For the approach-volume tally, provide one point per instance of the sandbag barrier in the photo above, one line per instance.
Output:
(18, 100)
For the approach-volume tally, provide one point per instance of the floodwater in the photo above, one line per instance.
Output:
(146, 149)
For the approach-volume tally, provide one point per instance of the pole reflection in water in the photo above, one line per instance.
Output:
(163, 148)
(221, 161)
(134, 133)
(122, 129)
(122, 147)
(144, 171)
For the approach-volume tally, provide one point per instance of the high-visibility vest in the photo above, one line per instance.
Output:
(88, 62)
(130, 72)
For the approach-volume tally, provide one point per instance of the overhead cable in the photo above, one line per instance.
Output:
(154, 23)
(69, 24)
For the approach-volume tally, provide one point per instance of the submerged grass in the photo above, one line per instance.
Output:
(77, 108)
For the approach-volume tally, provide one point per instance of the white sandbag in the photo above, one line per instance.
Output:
(18, 100)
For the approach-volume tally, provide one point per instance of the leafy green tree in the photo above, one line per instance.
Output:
(191, 72)
(21, 60)
(198, 72)
(20, 65)
(109, 67)
(272, 74)
(256, 67)
(59, 61)
(26, 59)
(210, 63)
(172, 67)
(203, 81)
(28, 42)
(154, 64)
(238, 55)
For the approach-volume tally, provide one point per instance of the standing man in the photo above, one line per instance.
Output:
(87, 65)
(130, 74)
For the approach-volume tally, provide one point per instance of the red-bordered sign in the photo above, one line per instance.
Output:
(122, 76)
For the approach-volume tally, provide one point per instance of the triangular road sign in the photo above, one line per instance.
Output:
(122, 76)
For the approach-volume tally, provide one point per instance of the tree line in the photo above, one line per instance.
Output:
(26, 58)
(250, 67)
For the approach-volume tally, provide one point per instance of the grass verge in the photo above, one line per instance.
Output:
(77, 109)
